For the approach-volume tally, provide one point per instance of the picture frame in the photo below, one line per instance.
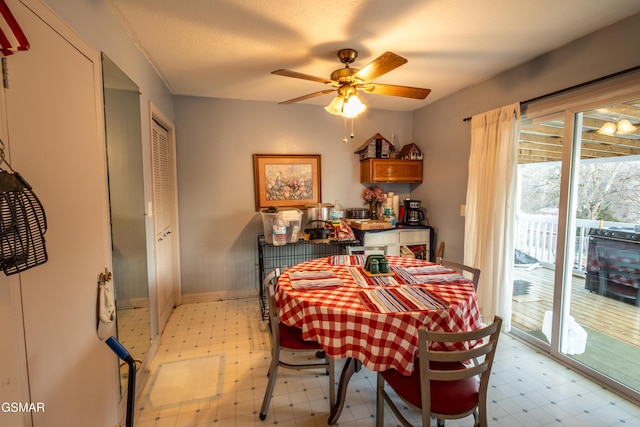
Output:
(287, 180)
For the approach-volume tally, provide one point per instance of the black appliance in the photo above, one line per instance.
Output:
(413, 213)
(613, 264)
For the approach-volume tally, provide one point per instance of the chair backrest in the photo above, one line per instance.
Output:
(271, 278)
(269, 282)
(440, 253)
(461, 268)
(483, 353)
(367, 250)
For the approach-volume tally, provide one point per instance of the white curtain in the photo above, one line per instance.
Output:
(490, 209)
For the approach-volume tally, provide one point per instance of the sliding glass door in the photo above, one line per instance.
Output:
(605, 236)
(577, 262)
(539, 171)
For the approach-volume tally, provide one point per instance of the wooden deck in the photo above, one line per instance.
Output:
(612, 317)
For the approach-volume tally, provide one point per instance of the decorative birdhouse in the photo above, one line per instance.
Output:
(376, 147)
(411, 152)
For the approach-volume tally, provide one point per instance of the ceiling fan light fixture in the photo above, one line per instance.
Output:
(625, 126)
(347, 80)
(608, 128)
(335, 106)
(353, 106)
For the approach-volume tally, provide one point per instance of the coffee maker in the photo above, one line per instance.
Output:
(413, 213)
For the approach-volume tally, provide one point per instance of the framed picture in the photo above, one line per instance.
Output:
(287, 180)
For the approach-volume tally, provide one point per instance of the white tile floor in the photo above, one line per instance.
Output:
(527, 388)
(133, 330)
(134, 335)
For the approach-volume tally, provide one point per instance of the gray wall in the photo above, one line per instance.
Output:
(445, 138)
(95, 22)
(216, 141)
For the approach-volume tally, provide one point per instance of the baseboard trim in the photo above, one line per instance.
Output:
(219, 295)
(133, 303)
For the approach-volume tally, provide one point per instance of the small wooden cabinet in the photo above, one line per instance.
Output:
(391, 171)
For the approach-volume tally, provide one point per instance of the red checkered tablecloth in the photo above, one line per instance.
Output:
(336, 318)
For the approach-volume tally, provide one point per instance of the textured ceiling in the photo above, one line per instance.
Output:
(228, 48)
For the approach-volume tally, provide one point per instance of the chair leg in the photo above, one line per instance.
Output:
(480, 419)
(332, 383)
(379, 401)
(273, 373)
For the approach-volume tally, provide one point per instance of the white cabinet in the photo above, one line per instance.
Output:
(402, 242)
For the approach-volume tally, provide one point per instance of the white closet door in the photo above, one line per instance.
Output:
(162, 207)
(56, 141)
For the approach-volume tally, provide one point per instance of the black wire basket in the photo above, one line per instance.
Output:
(22, 225)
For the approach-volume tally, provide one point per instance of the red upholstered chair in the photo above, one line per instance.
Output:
(289, 338)
(444, 384)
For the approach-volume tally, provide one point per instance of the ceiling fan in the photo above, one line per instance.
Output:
(347, 81)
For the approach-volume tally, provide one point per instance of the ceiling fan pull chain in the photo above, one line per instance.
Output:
(352, 134)
(345, 131)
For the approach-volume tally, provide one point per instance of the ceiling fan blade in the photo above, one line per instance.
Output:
(311, 95)
(381, 65)
(295, 74)
(393, 90)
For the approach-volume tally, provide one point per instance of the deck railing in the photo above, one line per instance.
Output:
(537, 236)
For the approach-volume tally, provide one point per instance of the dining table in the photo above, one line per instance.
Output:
(372, 320)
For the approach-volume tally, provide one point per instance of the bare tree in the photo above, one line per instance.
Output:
(608, 191)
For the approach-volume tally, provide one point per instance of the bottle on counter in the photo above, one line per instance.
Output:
(393, 220)
(337, 211)
(279, 232)
(337, 214)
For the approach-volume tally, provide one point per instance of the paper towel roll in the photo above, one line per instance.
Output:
(396, 205)
(388, 200)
